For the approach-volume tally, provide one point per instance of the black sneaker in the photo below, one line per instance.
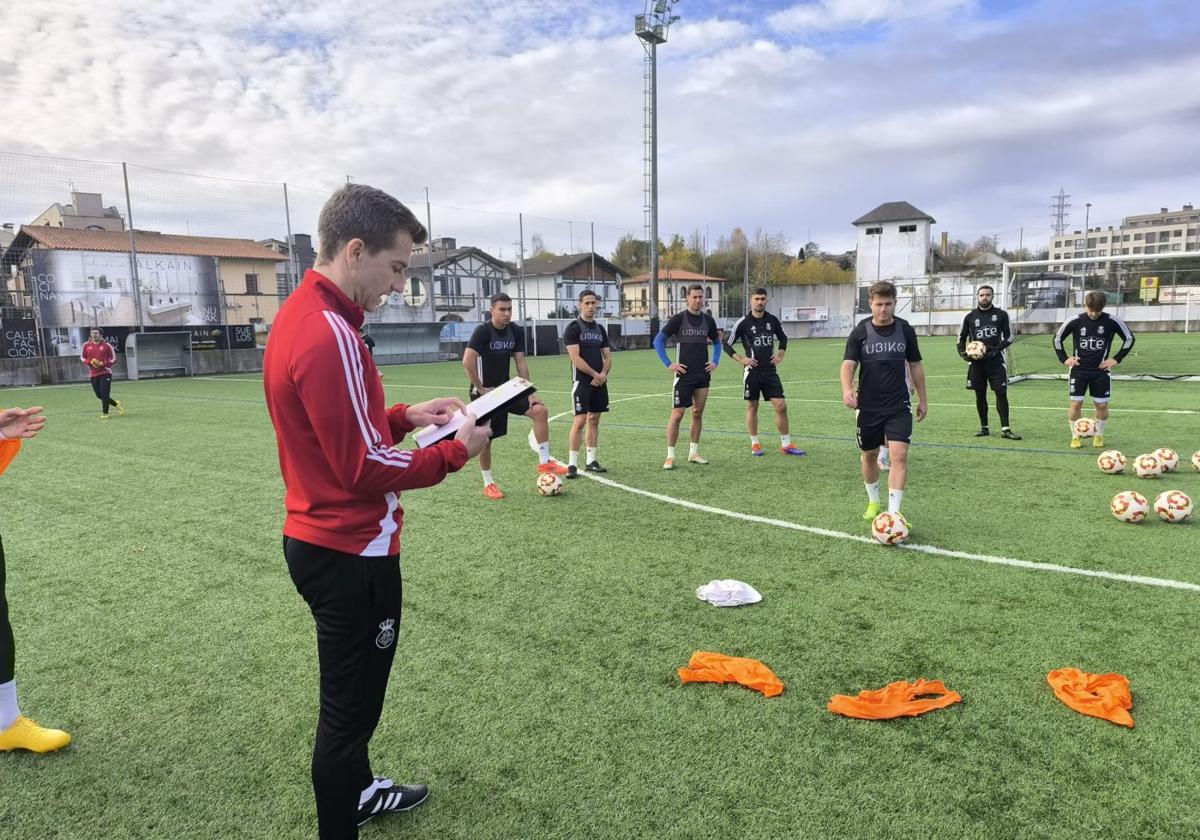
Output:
(983, 432)
(595, 467)
(572, 471)
(1010, 434)
(389, 798)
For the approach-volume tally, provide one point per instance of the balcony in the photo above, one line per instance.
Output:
(454, 303)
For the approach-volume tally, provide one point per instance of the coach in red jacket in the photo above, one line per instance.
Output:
(343, 478)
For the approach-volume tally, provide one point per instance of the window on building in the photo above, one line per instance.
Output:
(1124, 251)
(908, 228)
(102, 282)
(1178, 233)
(1079, 255)
(252, 284)
(1125, 238)
(1137, 236)
(1177, 247)
(1103, 252)
(1091, 242)
(645, 296)
(1162, 249)
(1103, 240)
(1091, 253)
(1078, 243)
(874, 231)
(708, 292)
(1137, 250)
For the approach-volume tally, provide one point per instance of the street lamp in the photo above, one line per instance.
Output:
(1087, 220)
(651, 28)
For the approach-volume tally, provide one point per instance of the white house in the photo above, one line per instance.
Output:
(550, 285)
(893, 243)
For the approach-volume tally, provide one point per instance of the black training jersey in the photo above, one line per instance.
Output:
(495, 348)
(882, 354)
(987, 325)
(758, 337)
(694, 333)
(1093, 339)
(592, 338)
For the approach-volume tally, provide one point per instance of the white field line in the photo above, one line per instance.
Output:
(924, 549)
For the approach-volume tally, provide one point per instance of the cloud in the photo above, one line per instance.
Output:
(536, 107)
(843, 14)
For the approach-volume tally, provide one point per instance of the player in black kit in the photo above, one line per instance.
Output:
(591, 359)
(1092, 332)
(758, 331)
(881, 345)
(486, 359)
(988, 325)
(694, 330)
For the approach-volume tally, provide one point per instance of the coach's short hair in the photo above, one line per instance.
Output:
(758, 290)
(882, 289)
(1095, 301)
(499, 297)
(985, 286)
(588, 293)
(357, 211)
(695, 287)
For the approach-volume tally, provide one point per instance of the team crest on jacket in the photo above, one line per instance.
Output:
(993, 317)
(386, 634)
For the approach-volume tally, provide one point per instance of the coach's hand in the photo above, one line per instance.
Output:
(677, 368)
(21, 422)
(922, 410)
(709, 367)
(472, 436)
(749, 361)
(850, 399)
(1108, 364)
(1071, 361)
(599, 379)
(777, 358)
(437, 411)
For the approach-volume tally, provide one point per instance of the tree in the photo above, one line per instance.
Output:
(537, 247)
(813, 272)
(679, 255)
(631, 256)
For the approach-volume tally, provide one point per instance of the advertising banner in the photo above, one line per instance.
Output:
(18, 339)
(80, 288)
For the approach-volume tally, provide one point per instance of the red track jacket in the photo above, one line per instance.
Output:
(335, 437)
(101, 350)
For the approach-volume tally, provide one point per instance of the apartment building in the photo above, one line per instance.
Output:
(1163, 232)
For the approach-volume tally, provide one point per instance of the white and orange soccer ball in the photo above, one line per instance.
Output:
(1173, 506)
(1084, 427)
(975, 349)
(1147, 466)
(1129, 506)
(889, 528)
(549, 484)
(1168, 458)
(1196, 461)
(1111, 461)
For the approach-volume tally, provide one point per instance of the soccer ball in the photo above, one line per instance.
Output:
(1196, 461)
(1147, 466)
(889, 528)
(1085, 427)
(1111, 461)
(976, 349)
(1129, 506)
(1173, 506)
(1167, 458)
(549, 484)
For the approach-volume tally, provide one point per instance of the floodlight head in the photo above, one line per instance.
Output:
(660, 7)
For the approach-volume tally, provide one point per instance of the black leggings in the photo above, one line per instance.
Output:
(102, 385)
(8, 648)
(355, 602)
(981, 406)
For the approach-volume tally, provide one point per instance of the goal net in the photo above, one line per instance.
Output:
(1158, 298)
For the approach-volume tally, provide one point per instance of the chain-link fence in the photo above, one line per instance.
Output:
(123, 247)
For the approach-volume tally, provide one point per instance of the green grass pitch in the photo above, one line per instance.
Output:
(535, 685)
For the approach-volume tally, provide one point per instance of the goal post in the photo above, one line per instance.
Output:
(1156, 295)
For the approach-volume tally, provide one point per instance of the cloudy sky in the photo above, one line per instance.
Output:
(785, 116)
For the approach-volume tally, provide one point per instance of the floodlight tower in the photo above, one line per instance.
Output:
(651, 28)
